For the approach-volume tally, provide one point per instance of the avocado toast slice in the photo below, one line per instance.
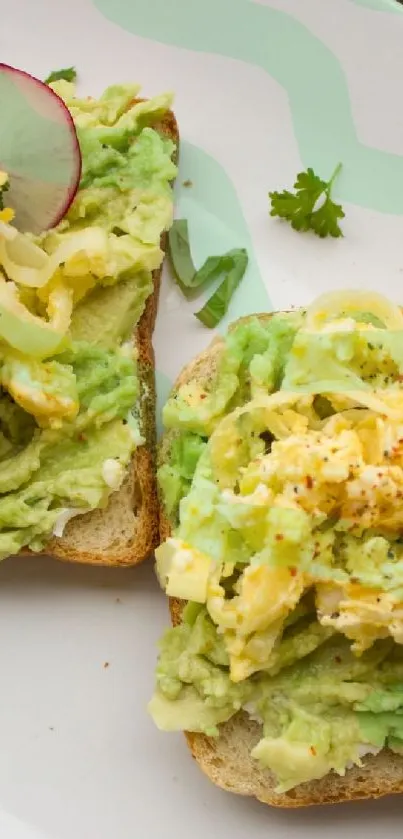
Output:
(225, 754)
(87, 490)
(126, 532)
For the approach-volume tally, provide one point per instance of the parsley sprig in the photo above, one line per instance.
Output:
(68, 74)
(304, 209)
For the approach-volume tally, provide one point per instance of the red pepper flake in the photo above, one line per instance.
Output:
(400, 378)
(313, 751)
(279, 537)
(82, 438)
(203, 395)
(293, 572)
(309, 482)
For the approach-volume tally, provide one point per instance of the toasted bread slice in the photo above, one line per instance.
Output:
(226, 760)
(126, 532)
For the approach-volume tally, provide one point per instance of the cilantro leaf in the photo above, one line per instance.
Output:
(69, 74)
(304, 208)
(325, 220)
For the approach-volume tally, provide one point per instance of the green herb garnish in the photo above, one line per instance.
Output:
(192, 281)
(69, 74)
(301, 207)
(233, 264)
(181, 257)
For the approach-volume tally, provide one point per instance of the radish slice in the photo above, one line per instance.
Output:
(39, 150)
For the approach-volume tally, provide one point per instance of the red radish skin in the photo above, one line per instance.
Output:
(39, 150)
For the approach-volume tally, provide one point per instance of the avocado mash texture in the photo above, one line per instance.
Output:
(69, 301)
(283, 483)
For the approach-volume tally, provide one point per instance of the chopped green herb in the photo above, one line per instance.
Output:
(233, 264)
(69, 74)
(301, 207)
(181, 257)
(191, 281)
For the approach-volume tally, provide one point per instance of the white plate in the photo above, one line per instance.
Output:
(263, 90)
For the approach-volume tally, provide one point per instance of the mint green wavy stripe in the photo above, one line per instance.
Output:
(216, 224)
(380, 5)
(300, 62)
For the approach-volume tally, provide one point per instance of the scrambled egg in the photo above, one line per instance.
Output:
(362, 614)
(47, 390)
(322, 510)
(252, 620)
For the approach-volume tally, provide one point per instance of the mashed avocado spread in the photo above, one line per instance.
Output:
(282, 477)
(69, 300)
